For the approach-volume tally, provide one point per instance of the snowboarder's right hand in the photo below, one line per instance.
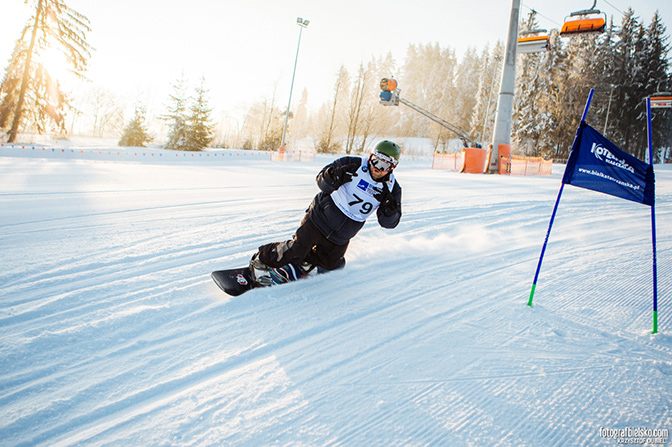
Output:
(338, 176)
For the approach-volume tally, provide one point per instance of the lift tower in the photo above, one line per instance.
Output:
(504, 117)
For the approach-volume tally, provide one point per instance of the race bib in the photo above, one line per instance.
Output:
(356, 198)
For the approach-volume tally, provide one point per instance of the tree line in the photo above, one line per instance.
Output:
(624, 64)
(30, 97)
(28, 93)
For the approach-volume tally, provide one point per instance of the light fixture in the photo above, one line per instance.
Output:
(302, 23)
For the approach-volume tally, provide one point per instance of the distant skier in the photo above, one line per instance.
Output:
(351, 189)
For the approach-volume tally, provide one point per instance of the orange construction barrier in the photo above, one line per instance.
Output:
(475, 160)
(504, 155)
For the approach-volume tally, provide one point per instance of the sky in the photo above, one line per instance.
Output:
(246, 50)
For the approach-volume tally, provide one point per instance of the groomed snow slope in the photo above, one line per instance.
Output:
(113, 334)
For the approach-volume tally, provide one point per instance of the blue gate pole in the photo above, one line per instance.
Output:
(543, 248)
(555, 209)
(653, 225)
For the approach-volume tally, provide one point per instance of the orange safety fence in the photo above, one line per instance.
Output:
(293, 155)
(515, 165)
(451, 162)
(13, 149)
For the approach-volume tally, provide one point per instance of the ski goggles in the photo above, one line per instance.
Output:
(383, 162)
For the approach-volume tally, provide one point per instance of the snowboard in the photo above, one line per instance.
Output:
(240, 280)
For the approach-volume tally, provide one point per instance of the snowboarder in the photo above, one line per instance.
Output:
(351, 189)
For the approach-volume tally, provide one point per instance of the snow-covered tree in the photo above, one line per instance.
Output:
(330, 128)
(29, 93)
(135, 133)
(656, 65)
(200, 129)
(177, 117)
(467, 82)
(483, 116)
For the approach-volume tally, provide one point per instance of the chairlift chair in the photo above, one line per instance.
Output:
(536, 41)
(585, 21)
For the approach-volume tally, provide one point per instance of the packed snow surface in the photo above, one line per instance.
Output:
(113, 334)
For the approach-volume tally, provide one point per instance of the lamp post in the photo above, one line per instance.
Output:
(302, 24)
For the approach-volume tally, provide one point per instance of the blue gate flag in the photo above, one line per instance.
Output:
(596, 163)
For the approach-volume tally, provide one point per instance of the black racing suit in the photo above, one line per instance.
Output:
(325, 231)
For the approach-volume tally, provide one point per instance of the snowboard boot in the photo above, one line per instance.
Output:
(261, 273)
(340, 265)
(306, 268)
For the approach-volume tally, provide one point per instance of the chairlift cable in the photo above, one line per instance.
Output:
(622, 13)
(541, 15)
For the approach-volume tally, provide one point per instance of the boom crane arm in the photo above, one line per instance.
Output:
(455, 129)
(390, 97)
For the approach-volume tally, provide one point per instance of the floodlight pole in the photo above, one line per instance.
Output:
(302, 24)
(504, 117)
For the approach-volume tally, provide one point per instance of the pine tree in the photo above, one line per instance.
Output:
(550, 71)
(525, 126)
(355, 107)
(656, 65)
(200, 130)
(467, 77)
(327, 143)
(300, 119)
(177, 118)
(271, 125)
(27, 86)
(603, 103)
(371, 121)
(135, 133)
(429, 81)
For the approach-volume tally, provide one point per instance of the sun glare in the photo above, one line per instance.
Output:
(56, 64)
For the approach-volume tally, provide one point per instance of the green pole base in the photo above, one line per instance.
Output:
(655, 322)
(529, 302)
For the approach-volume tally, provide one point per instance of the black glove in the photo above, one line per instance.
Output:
(338, 176)
(388, 204)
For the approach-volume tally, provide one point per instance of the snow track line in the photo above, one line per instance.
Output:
(155, 395)
(123, 339)
(130, 211)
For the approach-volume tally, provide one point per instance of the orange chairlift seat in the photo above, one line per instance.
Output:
(585, 21)
(536, 41)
